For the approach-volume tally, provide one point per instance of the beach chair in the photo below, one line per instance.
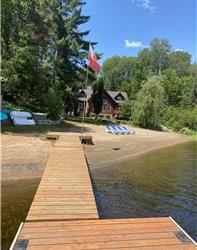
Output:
(116, 130)
(107, 129)
(127, 130)
(122, 131)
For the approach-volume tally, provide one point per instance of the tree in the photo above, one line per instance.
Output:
(188, 98)
(117, 72)
(147, 108)
(97, 96)
(54, 104)
(180, 62)
(125, 109)
(67, 46)
(141, 71)
(42, 49)
(159, 50)
(173, 86)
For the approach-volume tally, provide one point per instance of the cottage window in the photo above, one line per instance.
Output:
(82, 94)
(81, 107)
(106, 106)
(119, 97)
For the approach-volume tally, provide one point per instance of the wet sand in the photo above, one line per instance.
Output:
(109, 148)
(25, 155)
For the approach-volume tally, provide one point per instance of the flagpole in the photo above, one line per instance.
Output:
(84, 108)
(93, 64)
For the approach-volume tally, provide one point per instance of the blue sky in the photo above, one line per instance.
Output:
(123, 27)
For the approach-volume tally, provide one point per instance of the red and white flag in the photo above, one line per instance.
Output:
(93, 64)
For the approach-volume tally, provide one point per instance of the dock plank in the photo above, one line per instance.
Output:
(65, 178)
(141, 234)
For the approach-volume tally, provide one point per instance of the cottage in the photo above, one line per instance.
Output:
(111, 102)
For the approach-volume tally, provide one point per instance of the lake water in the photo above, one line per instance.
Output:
(15, 202)
(160, 183)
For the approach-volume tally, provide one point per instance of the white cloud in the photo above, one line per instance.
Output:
(178, 50)
(133, 44)
(146, 4)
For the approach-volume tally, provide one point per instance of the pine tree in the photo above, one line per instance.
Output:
(67, 46)
(97, 96)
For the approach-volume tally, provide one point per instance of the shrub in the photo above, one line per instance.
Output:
(187, 131)
(179, 118)
(125, 110)
(54, 104)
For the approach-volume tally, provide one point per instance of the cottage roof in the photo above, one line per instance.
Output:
(88, 93)
(116, 96)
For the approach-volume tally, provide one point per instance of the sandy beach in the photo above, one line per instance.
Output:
(25, 155)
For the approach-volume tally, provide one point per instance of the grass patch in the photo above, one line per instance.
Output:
(38, 129)
(187, 131)
(88, 120)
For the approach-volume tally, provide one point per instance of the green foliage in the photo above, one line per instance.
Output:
(159, 52)
(187, 131)
(179, 118)
(141, 71)
(188, 92)
(156, 57)
(176, 88)
(42, 47)
(116, 71)
(180, 62)
(172, 87)
(148, 106)
(54, 104)
(69, 100)
(97, 96)
(125, 110)
(180, 91)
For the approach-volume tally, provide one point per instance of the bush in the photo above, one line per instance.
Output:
(125, 110)
(187, 131)
(54, 104)
(179, 118)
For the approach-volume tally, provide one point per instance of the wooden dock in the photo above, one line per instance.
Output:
(65, 191)
(63, 214)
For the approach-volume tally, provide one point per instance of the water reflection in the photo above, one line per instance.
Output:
(160, 183)
(16, 199)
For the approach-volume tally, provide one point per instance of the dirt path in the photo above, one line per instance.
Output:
(25, 155)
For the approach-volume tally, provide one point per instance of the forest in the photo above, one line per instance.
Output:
(44, 58)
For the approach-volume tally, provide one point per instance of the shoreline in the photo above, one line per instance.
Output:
(37, 172)
(132, 156)
(24, 156)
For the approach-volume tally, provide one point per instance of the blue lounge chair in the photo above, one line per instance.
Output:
(117, 131)
(122, 131)
(108, 129)
(127, 130)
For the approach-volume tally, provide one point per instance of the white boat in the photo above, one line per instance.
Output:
(22, 118)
